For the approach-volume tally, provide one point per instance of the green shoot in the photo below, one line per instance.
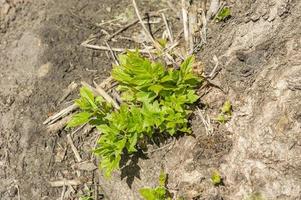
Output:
(158, 193)
(226, 113)
(216, 178)
(223, 14)
(254, 196)
(86, 198)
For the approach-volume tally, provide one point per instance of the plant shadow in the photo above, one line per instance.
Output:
(129, 166)
(129, 162)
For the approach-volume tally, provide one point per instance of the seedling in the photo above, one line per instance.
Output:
(156, 99)
(255, 196)
(226, 113)
(158, 193)
(216, 178)
(223, 14)
(86, 198)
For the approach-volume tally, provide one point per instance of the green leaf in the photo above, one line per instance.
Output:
(105, 129)
(120, 75)
(144, 96)
(153, 194)
(147, 194)
(186, 66)
(216, 177)
(156, 88)
(162, 42)
(79, 119)
(221, 118)
(223, 14)
(162, 179)
(227, 107)
(88, 95)
(132, 143)
(158, 193)
(192, 97)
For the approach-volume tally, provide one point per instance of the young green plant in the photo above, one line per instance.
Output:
(156, 99)
(158, 193)
(226, 113)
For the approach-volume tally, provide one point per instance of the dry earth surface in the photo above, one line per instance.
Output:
(258, 152)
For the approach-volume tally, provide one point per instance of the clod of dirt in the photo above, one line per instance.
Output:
(4, 8)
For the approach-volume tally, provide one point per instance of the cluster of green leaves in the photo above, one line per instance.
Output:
(223, 14)
(93, 109)
(164, 94)
(226, 113)
(155, 99)
(158, 193)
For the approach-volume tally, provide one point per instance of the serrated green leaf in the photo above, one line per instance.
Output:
(144, 96)
(88, 95)
(79, 119)
(132, 143)
(186, 67)
(105, 129)
(192, 97)
(120, 75)
(156, 88)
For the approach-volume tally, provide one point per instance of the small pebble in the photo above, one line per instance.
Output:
(4, 9)
(109, 9)
(12, 191)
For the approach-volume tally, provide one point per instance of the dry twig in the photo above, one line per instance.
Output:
(98, 90)
(163, 147)
(63, 192)
(71, 87)
(104, 48)
(127, 26)
(167, 28)
(73, 148)
(185, 23)
(61, 183)
(147, 33)
(213, 72)
(213, 9)
(59, 125)
(112, 54)
(60, 114)
(207, 123)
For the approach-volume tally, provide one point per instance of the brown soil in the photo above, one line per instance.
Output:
(257, 152)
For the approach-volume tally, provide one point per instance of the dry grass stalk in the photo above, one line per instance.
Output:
(147, 33)
(60, 114)
(73, 148)
(61, 183)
